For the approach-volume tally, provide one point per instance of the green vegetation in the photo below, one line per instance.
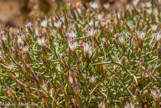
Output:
(84, 58)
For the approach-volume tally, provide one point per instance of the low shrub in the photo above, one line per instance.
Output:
(84, 58)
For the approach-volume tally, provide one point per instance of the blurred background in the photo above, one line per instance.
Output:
(17, 12)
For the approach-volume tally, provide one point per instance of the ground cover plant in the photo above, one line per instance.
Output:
(84, 58)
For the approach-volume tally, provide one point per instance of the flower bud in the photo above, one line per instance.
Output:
(46, 49)
(137, 92)
(73, 73)
(125, 61)
(64, 62)
(63, 91)
(29, 58)
(49, 86)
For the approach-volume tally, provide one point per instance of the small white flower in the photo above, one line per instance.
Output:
(2, 36)
(159, 1)
(41, 40)
(141, 35)
(102, 105)
(25, 47)
(44, 23)
(149, 11)
(103, 40)
(129, 105)
(71, 33)
(50, 22)
(94, 23)
(58, 67)
(135, 2)
(91, 31)
(37, 31)
(122, 38)
(104, 23)
(154, 27)
(92, 79)
(155, 12)
(72, 43)
(87, 48)
(148, 4)
(20, 41)
(100, 16)
(62, 18)
(93, 5)
(79, 10)
(57, 22)
(106, 5)
(29, 24)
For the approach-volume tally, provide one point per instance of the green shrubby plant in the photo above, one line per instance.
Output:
(84, 58)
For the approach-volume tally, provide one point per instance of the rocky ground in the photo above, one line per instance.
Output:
(16, 12)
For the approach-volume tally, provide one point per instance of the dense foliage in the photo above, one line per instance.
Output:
(84, 58)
